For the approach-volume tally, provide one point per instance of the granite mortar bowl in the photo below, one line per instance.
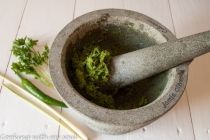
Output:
(127, 31)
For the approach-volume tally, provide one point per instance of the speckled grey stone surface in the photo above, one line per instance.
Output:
(137, 65)
(110, 121)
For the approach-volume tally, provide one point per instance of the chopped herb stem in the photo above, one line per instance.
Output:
(46, 75)
(46, 82)
(45, 62)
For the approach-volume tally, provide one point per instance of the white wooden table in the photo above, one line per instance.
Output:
(43, 19)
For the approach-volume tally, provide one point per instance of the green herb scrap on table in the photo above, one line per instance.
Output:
(30, 61)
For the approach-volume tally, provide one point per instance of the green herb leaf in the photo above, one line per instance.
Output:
(46, 51)
(29, 59)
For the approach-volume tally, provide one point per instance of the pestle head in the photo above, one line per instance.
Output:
(134, 66)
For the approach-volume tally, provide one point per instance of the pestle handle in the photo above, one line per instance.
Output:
(137, 65)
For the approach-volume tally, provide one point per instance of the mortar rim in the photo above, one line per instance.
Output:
(66, 90)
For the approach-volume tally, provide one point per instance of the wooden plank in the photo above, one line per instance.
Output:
(176, 124)
(190, 17)
(11, 12)
(42, 20)
(20, 118)
(85, 6)
(158, 10)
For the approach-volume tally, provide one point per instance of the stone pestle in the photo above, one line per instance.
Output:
(134, 66)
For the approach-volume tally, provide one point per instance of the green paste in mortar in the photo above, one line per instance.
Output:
(91, 71)
(89, 68)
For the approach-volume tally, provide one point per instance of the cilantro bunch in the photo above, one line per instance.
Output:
(30, 60)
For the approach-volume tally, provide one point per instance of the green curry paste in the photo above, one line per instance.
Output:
(91, 70)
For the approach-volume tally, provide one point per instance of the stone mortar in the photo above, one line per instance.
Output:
(105, 120)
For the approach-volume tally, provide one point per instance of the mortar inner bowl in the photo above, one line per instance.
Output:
(118, 35)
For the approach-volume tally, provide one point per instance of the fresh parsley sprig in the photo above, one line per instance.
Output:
(29, 59)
